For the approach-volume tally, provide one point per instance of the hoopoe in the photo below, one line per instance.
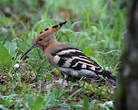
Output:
(69, 60)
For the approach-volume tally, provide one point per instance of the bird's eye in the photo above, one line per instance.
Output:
(40, 39)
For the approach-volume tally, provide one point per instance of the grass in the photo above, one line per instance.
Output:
(96, 27)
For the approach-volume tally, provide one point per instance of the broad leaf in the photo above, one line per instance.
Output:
(11, 46)
(5, 57)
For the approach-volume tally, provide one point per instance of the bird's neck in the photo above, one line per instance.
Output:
(51, 44)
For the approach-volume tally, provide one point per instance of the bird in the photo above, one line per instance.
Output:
(68, 59)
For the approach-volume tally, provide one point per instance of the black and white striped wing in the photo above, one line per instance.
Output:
(74, 62)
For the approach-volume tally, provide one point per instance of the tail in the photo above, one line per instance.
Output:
(110, 77)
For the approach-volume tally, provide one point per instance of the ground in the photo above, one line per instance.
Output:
(96, 27)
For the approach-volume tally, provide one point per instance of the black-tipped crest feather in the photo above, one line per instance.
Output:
(62, 23)
(55, 26)
(46, 29)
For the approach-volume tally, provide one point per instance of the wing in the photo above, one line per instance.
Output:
(73, 58)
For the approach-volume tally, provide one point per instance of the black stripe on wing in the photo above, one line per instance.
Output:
(64, 49)
(71, 54)
(73, 62)
(61, 62)
(78, 66)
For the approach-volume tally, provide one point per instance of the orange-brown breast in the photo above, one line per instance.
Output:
(50, 49)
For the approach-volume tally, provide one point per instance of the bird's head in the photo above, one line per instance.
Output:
(44, 38)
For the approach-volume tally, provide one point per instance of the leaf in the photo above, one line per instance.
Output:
(88, 51)
(86, 103)
(5, 20)
(91, 106)
(2, 107)
(34, 102)
(49, 77)
(5, 57)
(115, 68)
(11, 46)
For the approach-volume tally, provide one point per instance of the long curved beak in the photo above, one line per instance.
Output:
(32, 47)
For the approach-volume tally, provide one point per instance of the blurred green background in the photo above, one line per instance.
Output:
(96, 27)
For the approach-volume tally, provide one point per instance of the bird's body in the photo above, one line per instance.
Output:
(69, 60)
(72, 61)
